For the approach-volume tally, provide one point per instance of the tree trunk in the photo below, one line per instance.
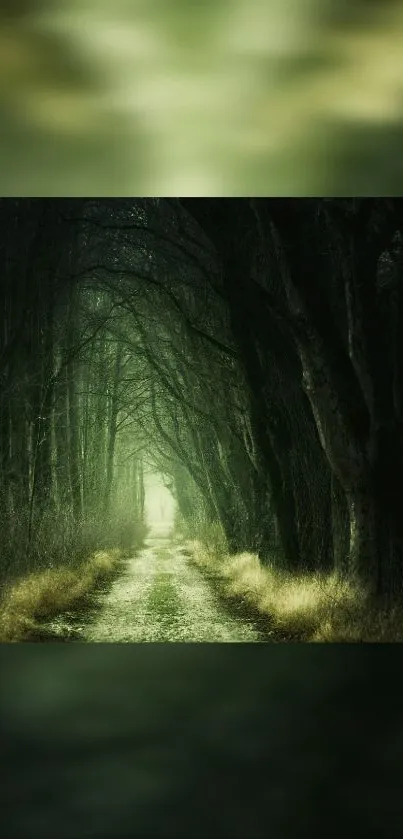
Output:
(340, 526)
(112, 429)
(73, 407)
(61, 434)
(142, 494)
(386, 481)
(43, 467)
(270, 438)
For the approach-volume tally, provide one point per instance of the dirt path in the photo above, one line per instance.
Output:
(159, 596)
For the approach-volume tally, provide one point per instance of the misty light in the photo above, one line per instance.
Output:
(159, 503)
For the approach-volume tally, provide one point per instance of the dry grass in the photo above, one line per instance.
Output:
(307, 607)
(44, 594)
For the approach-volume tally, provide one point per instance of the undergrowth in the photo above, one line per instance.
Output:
(60, 567)
(33, 599)
(305, 607)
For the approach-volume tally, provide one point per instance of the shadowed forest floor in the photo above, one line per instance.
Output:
(158, 596)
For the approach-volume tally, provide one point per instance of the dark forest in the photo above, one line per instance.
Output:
(249, 352)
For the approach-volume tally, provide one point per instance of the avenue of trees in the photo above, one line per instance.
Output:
(250, 350)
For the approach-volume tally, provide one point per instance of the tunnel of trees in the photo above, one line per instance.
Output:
(251, 351)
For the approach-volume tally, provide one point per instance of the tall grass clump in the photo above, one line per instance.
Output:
(58, 564)
(42, 595)
(315, 607)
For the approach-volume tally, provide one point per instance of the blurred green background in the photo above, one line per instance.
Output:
(201, 741)
(216, 97)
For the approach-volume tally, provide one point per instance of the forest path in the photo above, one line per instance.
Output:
(159, 596)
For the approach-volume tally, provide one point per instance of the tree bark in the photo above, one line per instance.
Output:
(112, 427)
(73, 407)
